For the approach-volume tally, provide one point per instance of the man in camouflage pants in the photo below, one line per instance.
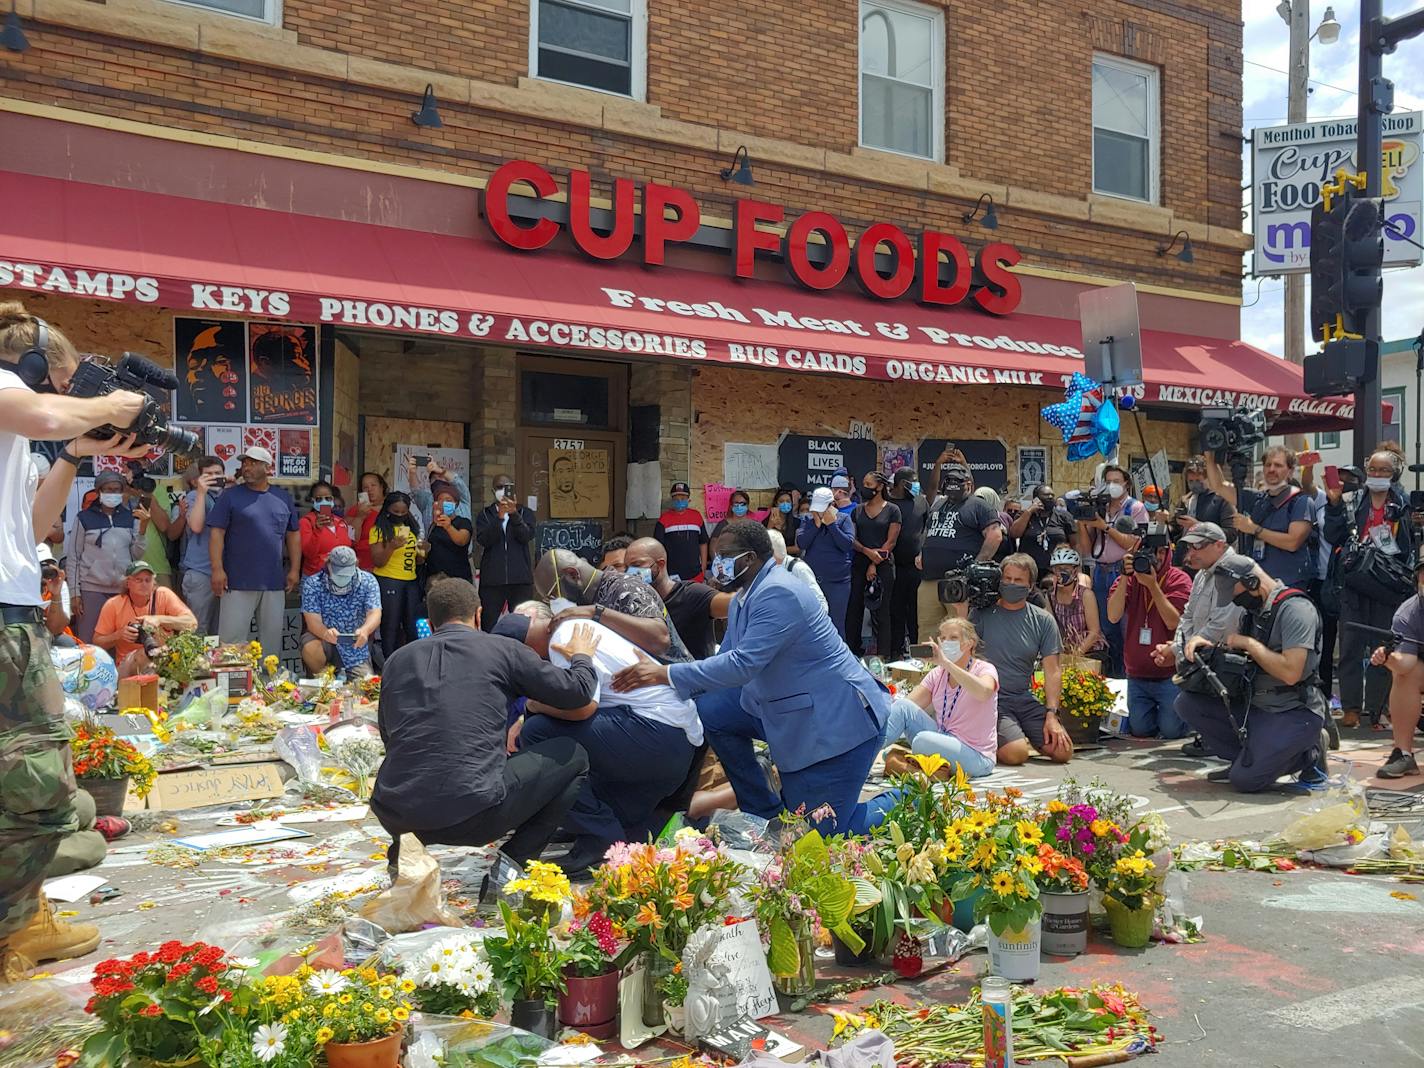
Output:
(36, 777)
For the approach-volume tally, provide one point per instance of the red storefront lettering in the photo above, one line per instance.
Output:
(795, 250)
(589, 241)
(932, 290)
(902, 256)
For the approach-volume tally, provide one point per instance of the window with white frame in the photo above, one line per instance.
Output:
(902, 78)
(597, 44)
(1328, 439)
(258, 10)
(1393, 430)
(1126, 128)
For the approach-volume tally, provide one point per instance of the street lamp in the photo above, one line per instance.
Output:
(1296, 14)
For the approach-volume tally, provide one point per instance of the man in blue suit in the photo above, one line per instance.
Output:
(784, 675)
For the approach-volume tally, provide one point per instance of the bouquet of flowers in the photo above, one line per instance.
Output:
(591, 947)
(1085, 695)
(1061, 874)
(355, 1005)
(183, 657)
(545, 888)
(453, 978)
(1132, 882)
(1079, 831)
(656, 896)
(99, 753)
(1001, 853)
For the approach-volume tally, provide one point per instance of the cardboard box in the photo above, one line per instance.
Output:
(218, 785)
(138, 691)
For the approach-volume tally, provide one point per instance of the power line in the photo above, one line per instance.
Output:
(1397, 232)
(1312, 81)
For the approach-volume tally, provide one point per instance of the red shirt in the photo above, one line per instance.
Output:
(363, 542)
(1142, 612)
(318, 541)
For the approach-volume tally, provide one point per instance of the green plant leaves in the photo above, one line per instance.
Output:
(867, 895)
(783, 956)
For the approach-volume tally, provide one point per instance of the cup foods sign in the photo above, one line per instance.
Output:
(1290, 163)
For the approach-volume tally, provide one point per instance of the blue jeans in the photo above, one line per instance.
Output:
(912, 723)
(837, 782)
(1151, 709)
(1104, 575)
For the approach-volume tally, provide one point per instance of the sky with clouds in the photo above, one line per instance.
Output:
(1333, 72)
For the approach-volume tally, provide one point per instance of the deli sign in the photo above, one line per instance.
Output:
(934, 268)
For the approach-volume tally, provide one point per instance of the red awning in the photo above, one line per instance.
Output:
(122, 244)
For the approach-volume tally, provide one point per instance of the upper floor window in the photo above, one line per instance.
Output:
(260, 10)
(598, 44)
(1126, 128)
(902, 78)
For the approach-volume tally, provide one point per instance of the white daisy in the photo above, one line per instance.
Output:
(327, 982)
(480, 976)
(242, 964)
(269, 1041)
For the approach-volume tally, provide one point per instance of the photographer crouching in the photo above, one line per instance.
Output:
(1269, 719)
(134, 622)
(1404, 657)
(37, 786)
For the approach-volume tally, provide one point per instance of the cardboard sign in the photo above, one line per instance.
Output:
(199, 787)
(579, 483)
(810, 461)
(749, 466)
(584, 537)
(716, 499)
(739, 950)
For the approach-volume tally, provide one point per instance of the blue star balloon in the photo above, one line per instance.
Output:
(1087, 420)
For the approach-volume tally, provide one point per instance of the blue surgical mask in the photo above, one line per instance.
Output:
(914, 489)
(448, 507)
(785, 507)
(680, 504)
(111, 500)
(642, 574)
(739, 509)
(325, 504)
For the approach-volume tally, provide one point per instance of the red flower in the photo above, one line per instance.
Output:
(178, 971)
(207, 984)
(227, 995)
(170, 952)
(151, 1010)
(209, 957)
(89, 1005)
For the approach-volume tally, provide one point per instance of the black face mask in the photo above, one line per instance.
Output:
(955, 494)
(1247, 600)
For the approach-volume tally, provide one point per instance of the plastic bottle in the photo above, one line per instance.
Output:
(996, 998)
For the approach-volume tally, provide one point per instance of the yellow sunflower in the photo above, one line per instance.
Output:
(1029, 833)
(1002, 883)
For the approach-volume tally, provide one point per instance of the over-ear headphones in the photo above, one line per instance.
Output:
(33, 364)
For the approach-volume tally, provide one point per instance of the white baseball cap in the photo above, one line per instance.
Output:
(821, 499)
(45, 553)
(258, 453)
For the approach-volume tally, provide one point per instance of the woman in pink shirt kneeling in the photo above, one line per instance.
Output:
(955, 711)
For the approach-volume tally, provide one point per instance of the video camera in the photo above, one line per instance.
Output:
(1089, 504)
(1220, 671)
(1231, 433)
(1154, 539)
(97, 377)
(977, 583)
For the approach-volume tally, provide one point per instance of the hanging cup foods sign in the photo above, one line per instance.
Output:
(816, 249)
(1290, 163)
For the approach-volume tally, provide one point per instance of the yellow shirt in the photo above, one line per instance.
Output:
(401, 565)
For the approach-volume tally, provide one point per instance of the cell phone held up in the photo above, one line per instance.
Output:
(420, 459)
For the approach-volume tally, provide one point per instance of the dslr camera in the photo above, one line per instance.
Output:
(97, 377)
(1231, 432)
(1089, 504)
(150, 644)
(977, 583)
(1154, 539)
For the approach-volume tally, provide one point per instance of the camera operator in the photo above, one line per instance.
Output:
(1042, 527)
(1015, 636)
(1148, 599)
(1200, 505)
(1276, 726)
(1105, 541)
(1277, 521)
(134, 622)
(959, 528)
(1375, 525)
(55, 592)
(1405, 663)
(32, 353)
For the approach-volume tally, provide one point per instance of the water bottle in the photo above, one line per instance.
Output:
(996, 998)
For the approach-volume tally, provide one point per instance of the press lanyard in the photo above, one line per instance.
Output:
(947, 706)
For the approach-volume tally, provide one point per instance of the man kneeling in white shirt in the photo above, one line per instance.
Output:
(640, 744)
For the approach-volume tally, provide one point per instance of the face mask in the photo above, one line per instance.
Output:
(1378, 484)
(739, 509)
(723, 570)
(1116, 490)
(1065, 578)
(448, 507)
(951, 650)
(324, 504)
(914, 489)
(111, 500)
(560, 604)
(642, 574)
(1151, 508)
(340, 587)
(870, 492)
(1196, 486)
(784, 507)
(955, 494)
(1275, 489)
(1247, 600)
(680, 504)
(1013, 593)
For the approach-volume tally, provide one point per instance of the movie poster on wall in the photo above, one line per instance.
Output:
(210, 360)
(282, 373)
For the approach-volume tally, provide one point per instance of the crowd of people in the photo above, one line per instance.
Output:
(534, 695)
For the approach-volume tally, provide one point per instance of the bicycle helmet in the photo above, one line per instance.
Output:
(1065, 555)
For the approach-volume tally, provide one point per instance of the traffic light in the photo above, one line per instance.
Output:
(1327, 264)
(1363, 248)
(1346, 251)
(1342, 367)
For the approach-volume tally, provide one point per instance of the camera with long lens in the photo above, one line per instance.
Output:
(1218, 672)
(1090, 504)
(97, 377)
(977, 583)
(1231, 432)
(150, 644)
(1154, 539)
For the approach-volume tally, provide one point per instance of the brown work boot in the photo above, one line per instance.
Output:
(1350, 718)
(47, 938)
(13, 967)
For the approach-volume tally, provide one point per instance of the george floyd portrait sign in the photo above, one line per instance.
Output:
(210, 360)
(282, 372)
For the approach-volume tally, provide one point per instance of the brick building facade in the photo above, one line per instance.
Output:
(306, 112)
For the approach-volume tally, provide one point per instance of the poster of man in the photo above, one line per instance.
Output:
(578, 483)
(212, 370)
(282, 370)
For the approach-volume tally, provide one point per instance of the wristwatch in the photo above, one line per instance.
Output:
(597, 612)
(68, 457)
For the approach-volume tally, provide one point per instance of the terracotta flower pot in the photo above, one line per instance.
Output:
(590, 1003)
(378, 1053)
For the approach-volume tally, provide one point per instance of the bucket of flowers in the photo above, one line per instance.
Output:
(656, 896)
(359, 1015)
(1084, 701)
(1001, 852)
(107, 764)
(1131, 899)
(589, 1002)
(1063, 889)
(527, 960)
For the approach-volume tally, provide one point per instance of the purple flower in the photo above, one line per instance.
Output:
(1085, 834)
(1089, 848)
(1065, 833)
(1084, 812)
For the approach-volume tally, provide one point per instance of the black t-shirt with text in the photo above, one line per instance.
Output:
(954, 535)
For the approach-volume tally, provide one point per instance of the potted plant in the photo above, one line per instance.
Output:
(673, 988)
(360, 1015)
(453, 978)
(1001, 851)
(544, 887)
(657, 896)
(530, 966)
(589, 1002)
(1084, 701)
(1063, 889)
(848, 855)
(106, 763)
(1130, 898)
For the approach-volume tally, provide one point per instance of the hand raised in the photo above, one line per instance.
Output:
(581, 642)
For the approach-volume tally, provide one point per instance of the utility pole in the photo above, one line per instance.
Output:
(1298, 16)
(1378, 36)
